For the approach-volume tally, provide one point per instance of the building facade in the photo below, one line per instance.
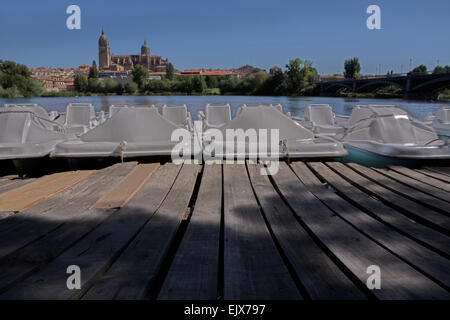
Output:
(108, 61)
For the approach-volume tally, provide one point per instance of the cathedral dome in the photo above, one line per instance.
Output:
(103, 41)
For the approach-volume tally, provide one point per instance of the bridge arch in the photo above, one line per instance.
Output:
(438, 83)
(379, 84)
(337, 85)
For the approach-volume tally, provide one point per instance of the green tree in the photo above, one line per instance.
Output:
(198, 84)
(140, 76)
(421, 68)
(294, 76)
(277, 84)
(212, 81)
(170, 71)
(93, 71)
(130, 88)
(255, 83)
(110, 85)
(16, 80)
(352, 68)
(441, 69)
(230, 85)
(93, 85)
(309, 73)
(81, 83)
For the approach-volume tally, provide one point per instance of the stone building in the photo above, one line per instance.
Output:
(108, 61)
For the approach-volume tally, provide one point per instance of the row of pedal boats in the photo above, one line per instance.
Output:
(28, 131)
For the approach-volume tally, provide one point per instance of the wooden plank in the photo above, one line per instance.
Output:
(435, 175)
(50, 214)
(436, 183)
(5, 180)
(78, 221)
(22, 198)
(15, 183)
(380, 211)
(122, 192)
(319, 275)
(96, 252)
(429, 262)
(20, 188)
(253, 268)
(354, 250)
(441, 170)
(193, 274)
(38, 183)
(414, 210)
(406, 191)
(424, 188)
(137, 268)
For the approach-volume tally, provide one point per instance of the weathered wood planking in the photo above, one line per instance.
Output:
(441, 170)
(137, 267)
(423, 178)
(32, 257)
(415, 210)
(14, 182)
(6, 180)
(382, 212)
(124, 191)
(435, 174)
(430, 192)
(403, 190)
(10, 184)
(30, 198)
(194, 272)
(50, 214)
(95, 253)
(23, 191)
(424, 259)
(319, 275)
(353, 249)
(253, 268)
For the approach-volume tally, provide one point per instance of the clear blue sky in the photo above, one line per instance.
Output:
(230, 33)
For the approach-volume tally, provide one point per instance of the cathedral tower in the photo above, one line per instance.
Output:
(144, 58)
(104, 52)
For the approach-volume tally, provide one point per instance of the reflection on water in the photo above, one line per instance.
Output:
(344, 106)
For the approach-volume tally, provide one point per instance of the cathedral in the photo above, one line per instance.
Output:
(107, 61)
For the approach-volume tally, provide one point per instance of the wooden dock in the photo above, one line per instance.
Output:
(208, 232)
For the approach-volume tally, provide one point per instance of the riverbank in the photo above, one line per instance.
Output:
(445, 97)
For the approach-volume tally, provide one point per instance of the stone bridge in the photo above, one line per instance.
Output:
(413, 85)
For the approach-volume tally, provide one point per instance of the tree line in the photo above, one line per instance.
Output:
(297, 79)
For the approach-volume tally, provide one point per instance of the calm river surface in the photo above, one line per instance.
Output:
(418, 109)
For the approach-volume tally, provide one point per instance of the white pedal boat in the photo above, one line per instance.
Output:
(389, 131)
(129, 131)
(321, 120)
(440, 121)
(294, 141)
(27, 131)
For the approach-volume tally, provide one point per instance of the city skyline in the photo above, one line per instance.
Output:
(206, 34)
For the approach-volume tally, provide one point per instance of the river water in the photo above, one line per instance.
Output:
(344, 106)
